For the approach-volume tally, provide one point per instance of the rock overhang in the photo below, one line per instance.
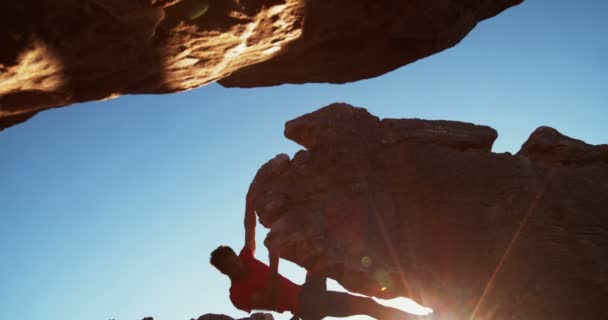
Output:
(60, 52)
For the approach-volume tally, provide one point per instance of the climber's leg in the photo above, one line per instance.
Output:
(342, 304)
(314, 285)
(315, 282)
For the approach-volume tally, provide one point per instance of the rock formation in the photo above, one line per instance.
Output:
(58, 52)
(213, 316)
(424, 209)
(253, 316)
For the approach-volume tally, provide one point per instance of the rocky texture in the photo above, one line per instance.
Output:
(424, 209)
(547, 144)
(345, 40)
(58, 52)
(213, 316)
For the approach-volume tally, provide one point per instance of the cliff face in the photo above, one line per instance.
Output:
(424, 209)
(58, 52)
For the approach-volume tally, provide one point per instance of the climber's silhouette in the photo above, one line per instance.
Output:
(255, 285)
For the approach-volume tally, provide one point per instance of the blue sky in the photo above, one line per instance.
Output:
(110, 209)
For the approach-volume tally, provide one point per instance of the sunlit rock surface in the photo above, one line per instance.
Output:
(58, 52)
(346, 40)
(424, 209)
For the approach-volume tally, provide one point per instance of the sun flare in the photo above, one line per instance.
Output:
(407, 305)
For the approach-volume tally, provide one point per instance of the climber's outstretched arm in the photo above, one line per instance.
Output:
(250, 228)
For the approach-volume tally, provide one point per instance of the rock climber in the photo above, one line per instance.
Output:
(255, 285)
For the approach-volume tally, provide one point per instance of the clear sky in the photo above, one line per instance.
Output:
(108, 210)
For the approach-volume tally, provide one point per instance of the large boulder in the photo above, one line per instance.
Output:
(424, 209)
(547, 144)
(215, 316)
(253, 316)
(58, 52)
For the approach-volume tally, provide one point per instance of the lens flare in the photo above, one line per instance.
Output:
(383, 278)
(366, 262)
(407, 305)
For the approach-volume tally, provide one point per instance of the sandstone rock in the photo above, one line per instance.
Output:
(547, 144)
(423, 209)
(58, 52)
(213, 316)
(344, 40)
(253, 316)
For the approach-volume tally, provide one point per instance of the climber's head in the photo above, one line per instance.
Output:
(227, 262)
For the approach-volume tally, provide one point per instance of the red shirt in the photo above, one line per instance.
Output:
(255, 281)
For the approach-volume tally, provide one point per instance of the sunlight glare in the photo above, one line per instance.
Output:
(407, 305)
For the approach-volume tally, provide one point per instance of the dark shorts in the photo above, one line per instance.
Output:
(317, 303)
